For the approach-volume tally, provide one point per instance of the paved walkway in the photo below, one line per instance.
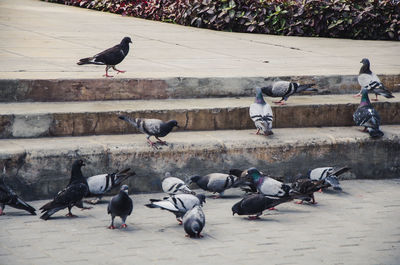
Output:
(357, 226)
(45, 40)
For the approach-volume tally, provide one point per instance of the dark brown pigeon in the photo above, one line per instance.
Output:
(110, 57)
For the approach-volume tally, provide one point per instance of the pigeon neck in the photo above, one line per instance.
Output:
(76, 174)
(259, 98)
(364, 98)
(365, 69)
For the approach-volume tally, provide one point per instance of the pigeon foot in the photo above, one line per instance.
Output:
(254, 217)
(111, 227)
(299, 202)
(273, 209)
(320, 190)
(107, 75)
(357, 95)
(123, 226)
(2, 213)
(216, 196)
(71, 215)
(93, 202)
(179, 221)
(86, 208)
(374, 99)
(281, 103)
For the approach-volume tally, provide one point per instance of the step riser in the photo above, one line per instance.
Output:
(79, 124)
(41, 174)
(124, 89)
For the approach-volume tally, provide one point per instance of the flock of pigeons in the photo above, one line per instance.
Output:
(265, 191)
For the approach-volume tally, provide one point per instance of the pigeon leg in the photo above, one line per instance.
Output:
(107, 75)
(124, 225)
(152, 144)
(253, 217)
(179, 220)
(112, 223)
(118, 71)
(299, 202)
(357, 95)
(161, 141)
(69, 214)
(280, 102)
(258, 131)
(313, 200)
(364, 130)
(376, 98)
(1, 210)
(273, 209)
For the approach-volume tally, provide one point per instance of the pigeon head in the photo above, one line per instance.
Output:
(78, 164)
(254, 174)
(126, 40)
(125, 188)
(365, 61)
(194, 179)
(173, 123)
(365, 67)
(259, 97)
(76, 173)
(236, 209)
(202, 198)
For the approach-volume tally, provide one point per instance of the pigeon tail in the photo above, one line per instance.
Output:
(122, 175)
(306, 87)
(89, 60)
(375, 133)
(50, 212)
(130, 120)
(339, 171)
(20, 204)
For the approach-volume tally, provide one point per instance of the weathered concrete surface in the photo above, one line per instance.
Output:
(40, 167)
(17, 90)
(20, 120)
(358, 226)
(42, 40)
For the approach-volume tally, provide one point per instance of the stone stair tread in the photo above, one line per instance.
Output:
(34, 108)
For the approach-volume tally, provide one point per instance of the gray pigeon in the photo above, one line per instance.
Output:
(254, 204)
(10, 198)
(120, 205)
(194, 221)
(69, 197)
(367, 116)
(152, 127)
(304, 188)
(267, 185)
(172, 185)
(214, 182)
(178, 204)
(110, 57)
(103, 183)
(285, 89)
(261, 114)
(328, 174)
(370, 80)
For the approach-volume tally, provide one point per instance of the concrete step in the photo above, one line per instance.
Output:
(19, 120)
(48, 90)
(38, 168)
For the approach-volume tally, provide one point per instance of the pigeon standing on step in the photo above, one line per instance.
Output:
(267, 185)
(110, 57)
(370, 80)
(172, 185)
(285, 89)
(254, 204)
(101, 184)
(194, 221)
(367, 116)
(69, 197)
(329, 175)
(152, 127)
(214, 182)
(261, 114)
(10, 198)
(120, 205)
(178, 204)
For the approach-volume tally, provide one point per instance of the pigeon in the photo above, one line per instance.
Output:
(110, 57)
(255, 204)
(69, 197)
(267, 185)
(285, 89)
(194, 221)
(172, 185)
(101, 184)
(367, 116)
(243, 181)
(304, 188)
(367, 78)
(120, 205)
(152, 127)
(178, 204)
(9, 197)
(214, 182)
(329, 175)
(261, 114)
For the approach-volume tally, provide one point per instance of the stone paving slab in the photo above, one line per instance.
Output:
(357, 226)
(41, 40)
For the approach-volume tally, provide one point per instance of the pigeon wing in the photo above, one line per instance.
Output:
(151, 126)
(111, 56)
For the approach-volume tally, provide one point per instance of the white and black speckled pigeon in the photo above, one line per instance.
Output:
(261, 114)
(101, 184)
(368, 79)
(172, 185)
(367, 116)
(328, 174)
(303, 188)
(285, 89)
(194, 221)
(254, 204)
(267, 185)
(10, 198)
(152, 127)
(214, 182)
(178, 204)
(120, 205)
(110, 57)
(69, 197)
